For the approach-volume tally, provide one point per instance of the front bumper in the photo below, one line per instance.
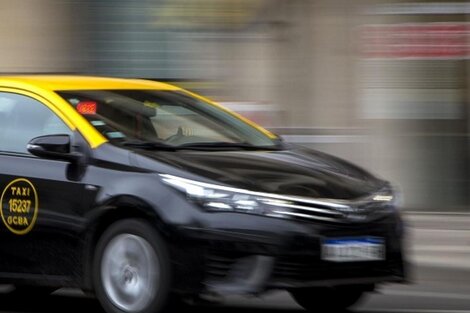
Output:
(284, 255)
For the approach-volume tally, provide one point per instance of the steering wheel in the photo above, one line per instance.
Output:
(176, 138)
(182, 137)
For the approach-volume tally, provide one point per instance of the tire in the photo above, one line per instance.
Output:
(131, 268)
(327, 299)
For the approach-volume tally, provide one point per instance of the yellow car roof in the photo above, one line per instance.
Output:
(44, 87)
(71, 82)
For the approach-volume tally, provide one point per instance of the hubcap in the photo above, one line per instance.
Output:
(130, 272)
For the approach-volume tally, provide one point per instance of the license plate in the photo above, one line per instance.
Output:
(353, 249)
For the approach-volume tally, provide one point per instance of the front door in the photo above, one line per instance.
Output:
(40, 200)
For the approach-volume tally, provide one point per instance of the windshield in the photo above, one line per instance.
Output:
(156, 118)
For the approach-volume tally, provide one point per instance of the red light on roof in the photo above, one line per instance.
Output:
(87, 107)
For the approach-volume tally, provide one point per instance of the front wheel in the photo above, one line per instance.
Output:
(131, 268)
(327, 298)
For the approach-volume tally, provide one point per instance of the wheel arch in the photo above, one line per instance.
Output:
(118, 208)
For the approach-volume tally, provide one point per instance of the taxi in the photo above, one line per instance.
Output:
(138, 192)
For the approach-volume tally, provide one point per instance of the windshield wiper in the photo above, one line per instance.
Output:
(224, 145)
(153, 145)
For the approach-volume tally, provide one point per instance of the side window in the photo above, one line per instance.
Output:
(22, 118)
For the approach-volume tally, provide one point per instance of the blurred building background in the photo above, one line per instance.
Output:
(382, 83)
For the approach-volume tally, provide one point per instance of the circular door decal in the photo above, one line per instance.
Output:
(19, 206)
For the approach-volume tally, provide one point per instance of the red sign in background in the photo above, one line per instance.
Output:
(417, 40)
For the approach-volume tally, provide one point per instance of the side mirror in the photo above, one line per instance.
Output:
(55, 147)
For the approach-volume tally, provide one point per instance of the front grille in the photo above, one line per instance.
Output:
(305, 210)
(329, 210)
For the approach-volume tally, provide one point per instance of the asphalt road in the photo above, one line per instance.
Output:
(435, 290)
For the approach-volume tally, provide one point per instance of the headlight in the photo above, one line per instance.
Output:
(218, 198)
(391, 196)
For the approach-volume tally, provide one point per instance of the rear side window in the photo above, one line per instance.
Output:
(22, 118)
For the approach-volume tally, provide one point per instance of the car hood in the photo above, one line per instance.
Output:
(295, 171)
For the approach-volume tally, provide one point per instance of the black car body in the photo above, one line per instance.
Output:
(231, 218)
